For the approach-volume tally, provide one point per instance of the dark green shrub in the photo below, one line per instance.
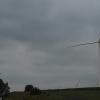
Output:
(28, 88)
(35, 91)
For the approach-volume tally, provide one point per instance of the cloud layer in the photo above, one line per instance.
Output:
(34, 36)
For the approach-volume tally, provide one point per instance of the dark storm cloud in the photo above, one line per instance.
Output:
(47, 20)
(34, 36)
(25, 19)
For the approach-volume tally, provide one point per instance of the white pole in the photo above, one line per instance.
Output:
(99, 62)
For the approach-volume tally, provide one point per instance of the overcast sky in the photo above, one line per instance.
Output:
(34, 35)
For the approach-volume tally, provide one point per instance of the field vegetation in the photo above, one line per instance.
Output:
(62, 94)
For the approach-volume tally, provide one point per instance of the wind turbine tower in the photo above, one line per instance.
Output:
(99, 61)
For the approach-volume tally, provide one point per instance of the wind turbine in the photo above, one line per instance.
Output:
(86, 44)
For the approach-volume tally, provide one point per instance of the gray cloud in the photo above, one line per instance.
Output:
(34, 36)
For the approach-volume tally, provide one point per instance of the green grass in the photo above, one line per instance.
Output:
(64, 94)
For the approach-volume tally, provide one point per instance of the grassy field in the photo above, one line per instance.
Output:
(62, 94)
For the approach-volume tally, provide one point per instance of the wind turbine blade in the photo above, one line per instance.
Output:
(88, 43)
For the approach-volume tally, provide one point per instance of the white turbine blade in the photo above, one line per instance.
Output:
(82, 44)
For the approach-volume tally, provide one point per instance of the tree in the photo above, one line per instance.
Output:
(2, 84)
(28, 88)
(32, 90)
(4, 89)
